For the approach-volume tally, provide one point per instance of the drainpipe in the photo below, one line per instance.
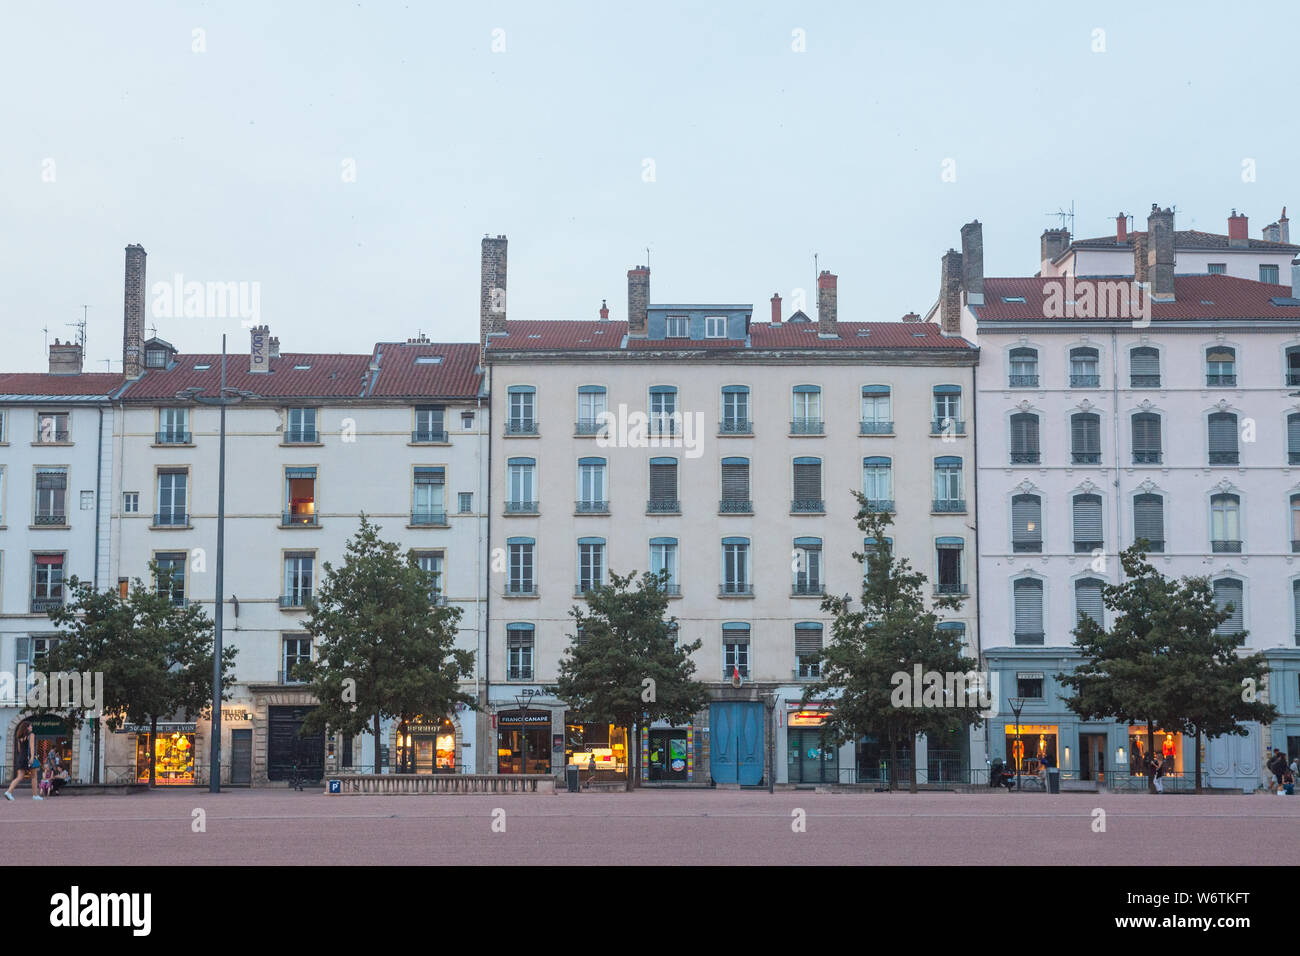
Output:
(1114, 399)
(975, 490)
(485, 576)
(99, 481)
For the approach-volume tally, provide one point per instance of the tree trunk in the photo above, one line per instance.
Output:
(893, 760)
(1151, 756)
(153, 749)
(911, 777)
(378, 749)
(94, 751)
(1198, 759)
(634, 758)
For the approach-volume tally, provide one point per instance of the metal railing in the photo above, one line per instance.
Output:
(1025, 457)
(521, 507)
(306, 519)
(1027, 547)
(521, 426)
(1087, 547)
(51, 520)
(1222, 546)
(303, 599)
(672, 590)
(736, 426)
(806, 426)
(1086, 457)
(428, 436)
(1221, 379)
(302, 436)
(521, 589)
(736, 506)
(950, 588)
(807, 589)
(171, 519)
(1023, 381)
(662, 506)
(588, 426)
(1146, 457)
(944, 426)
(592, 507)
(41, 605)
(1085, 381)
(735, 589)
(1144, 381)
(949, 504)
(1028, 637)
(172, 438)
(875, 428)
(428, 518)
(59, 436)
(1223, 458)
(880, 504)
(807, 505)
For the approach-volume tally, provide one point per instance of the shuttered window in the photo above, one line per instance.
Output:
(807, 485)
(1144, 367)
(663, 480)
(1026, 523)
(1029, 611)
(807, 639)
(1293, 439)
(1087, 599)
(1295, 523)
(1146, 439)
(1229, 591)
(1085, 438)
(1223, 438)
(735, 479)
(1024, 439)
(1295, 604)
(1149, 520)
(1087, 523)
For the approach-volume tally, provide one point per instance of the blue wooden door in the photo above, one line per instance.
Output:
(736, 742)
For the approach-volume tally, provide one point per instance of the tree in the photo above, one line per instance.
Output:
(625, 665)
(877, 649)
(385, 645)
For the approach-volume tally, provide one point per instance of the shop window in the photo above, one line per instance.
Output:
(426, 746)
(524, 741)
(1167, 745)
(173, 756)
(1029, 686)
(597, 747)
(1030, 746)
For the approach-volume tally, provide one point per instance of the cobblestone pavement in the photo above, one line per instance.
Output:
(655, 827)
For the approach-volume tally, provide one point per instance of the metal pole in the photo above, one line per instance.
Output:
(214, 782)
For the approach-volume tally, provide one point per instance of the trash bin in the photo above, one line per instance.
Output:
(571, 777)
(1053, 780)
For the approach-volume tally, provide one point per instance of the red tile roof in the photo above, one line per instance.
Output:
(553, 335)
(400, 376)
(328, 376)
(880, 335)
(42, 384)
(1195, 297)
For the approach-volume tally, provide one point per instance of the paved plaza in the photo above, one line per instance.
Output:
(655, 827)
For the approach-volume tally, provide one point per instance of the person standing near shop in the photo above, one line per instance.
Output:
(26, 763)
(1158, 772)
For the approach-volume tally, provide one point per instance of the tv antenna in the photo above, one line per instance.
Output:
(81, 329)
(1066, 217)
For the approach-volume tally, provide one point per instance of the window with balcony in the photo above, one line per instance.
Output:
(521, 578)
(519, 651)
(1149, 520)
(948, 553)
(1146, 438)
(1144, 367)
(735, 567)
(947, 419)
(51, 496)
(1223, 438)
(665, 419)
(522, 410)
(300, 497)
(430, 424)
(297, 652)
(808, 648)
(735, 650)
(663, 558)
(301, 427)
(1084, 371)
(808, 567)
(429, 496)
(878, 483)
(1028, 595)
(170, 582)
(1295, 524)
(1088, 601)
(948, 493)
(1225, 524)
(521, 490)
(591, 486)
(1024, 368)
(1295, 609)
(1087, 523)
(735, 487)
(1220, 366)
(591, 564)
(1085, 438)
(806, 418)
(52, 428)
(173, 510)
(877, 410)
(1293, 439)
(1229, 596)
(663, 487)
(47, 581)
(1024, 439)
(735, 411)
(807, 487)
(299, 578)
(173, 426)
(591, 408)
(1293, 366)
(1026, 524)
(430, 563)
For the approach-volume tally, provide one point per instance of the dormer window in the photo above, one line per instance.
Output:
(715, 327)
(678, 327)
(155, 358)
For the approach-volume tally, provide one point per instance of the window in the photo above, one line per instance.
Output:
(1085, 438)
(465, 502)
(522, 408)
(51, 427)
(521, 477)
(1087, 600)
(1087, 523)
(808, 566)
(1293, 439)
(735, 410)
(428, 496)
(1026, 524)
(947, 411)
(663, 557)
(467, 421)
(34, 651)
(1225, 524)
(430, 563)
(1024, 368)
(299, 578)
(735, 487)
(302, 427)
(807, 416)
(87, 500)
(1269, 273)
(1024, 439)
(173, 426)
(1144, 367)
(47, 582)
(591, 563)
(948, 560)
(664, 417)
(1149, 520)
(1028, 593)
(735, 650)
(51, 496)
(715, 326)
(735, 567)
(1220, 366)
(1083, 368)
(807, 487)
(873, 551)
(663, 486)
(1223, 438)
(1217, 268)
(877, 415)
(1229, 595)
(519, 652)
(1295, 605)
(1029, 686)
(2, 495)
(4, 419)
(430, 424)
(172, 486)
(300, 496)
(170, 582)
(591, 406)
(297, 650)
(130, 502)
(948, 485)
(1146, 438)
(591, 486)
(677, 327)
(520, 570)
(878, 483)
(808, 648)
(1295, 524)
(1292, 366)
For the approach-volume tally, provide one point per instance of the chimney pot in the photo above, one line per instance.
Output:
(1295, 279)
(1121, 229)
(776, 308)
(65, 358)
(950, 283)
(638, 300)
(828, 304)
(604, 311)
(1160, 253)
(972, 261)
(1052, 244)
(1238, 230)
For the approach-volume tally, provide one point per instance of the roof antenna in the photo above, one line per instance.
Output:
(1066, 217)
(647, 257)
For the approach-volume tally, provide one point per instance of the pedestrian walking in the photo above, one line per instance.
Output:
(1158, 773)
(1276, 766)
(26, 764)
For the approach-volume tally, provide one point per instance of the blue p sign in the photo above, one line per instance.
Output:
(336, 786)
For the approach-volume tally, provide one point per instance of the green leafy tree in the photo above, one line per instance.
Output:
(628, 668)
(876, 646)
(385, 647)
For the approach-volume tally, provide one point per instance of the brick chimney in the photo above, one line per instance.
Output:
(65, 358)
(604, 311)
(133, 313)
(1238, 231)
(259, 349)
(912, 317)
(950, 282)
(273, 346)
(972, 262)
(827, 304)
(776, 308)
(1272, 232)
(638, 300)
(492, 288)
(1160, 252)
(1052, 244)
(1284, 226)
(1141, 245)
(1121, 229)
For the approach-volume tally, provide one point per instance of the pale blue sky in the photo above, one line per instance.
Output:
(226, 165)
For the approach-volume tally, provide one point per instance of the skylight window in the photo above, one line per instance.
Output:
(1014, 298)
(534, 335)
(301, 368)
(428, 360)
(202, 368)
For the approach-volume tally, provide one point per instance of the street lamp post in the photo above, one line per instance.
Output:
(1017, 705)
(524, 698)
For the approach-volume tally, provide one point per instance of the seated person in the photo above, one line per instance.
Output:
(999, 776)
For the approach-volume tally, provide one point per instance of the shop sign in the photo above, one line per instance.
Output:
(45, 724)
(164, 727)
(517, 718)
(809, 718)
(231, 714)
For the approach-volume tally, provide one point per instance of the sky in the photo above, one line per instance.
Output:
(348, 157)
